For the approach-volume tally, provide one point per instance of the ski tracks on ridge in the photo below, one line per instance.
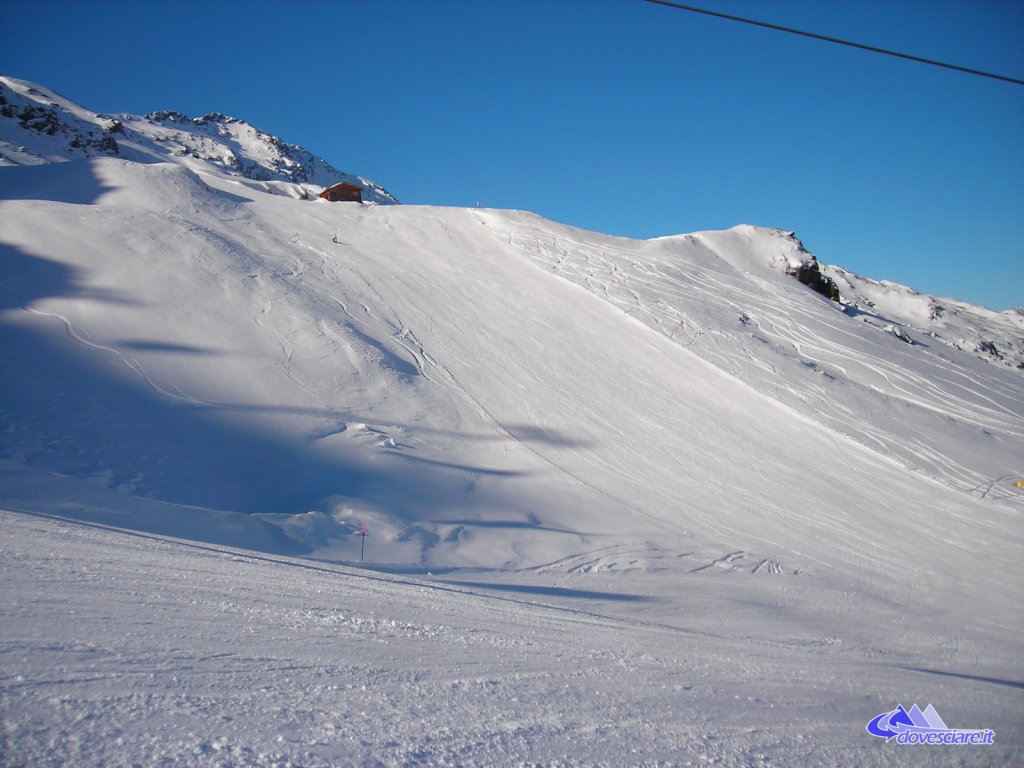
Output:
(806, 354)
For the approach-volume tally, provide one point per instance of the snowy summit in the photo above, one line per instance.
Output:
(43, 127)
(293, 481)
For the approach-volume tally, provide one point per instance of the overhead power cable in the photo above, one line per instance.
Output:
(836, 40)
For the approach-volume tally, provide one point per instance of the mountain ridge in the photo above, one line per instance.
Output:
(53, 128)
(62, 130)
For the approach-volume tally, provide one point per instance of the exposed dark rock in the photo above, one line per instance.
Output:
(990, 348)
(107, 144)
(39, 120)
(809, 273)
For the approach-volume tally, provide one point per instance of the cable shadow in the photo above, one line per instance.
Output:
(159, 346)
(562, 592)
(529, 433)
(962, 676)
(504, 524)
(458, 467)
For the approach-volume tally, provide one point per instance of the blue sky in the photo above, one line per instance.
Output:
(614, 115)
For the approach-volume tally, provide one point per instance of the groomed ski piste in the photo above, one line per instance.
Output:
(626, 502)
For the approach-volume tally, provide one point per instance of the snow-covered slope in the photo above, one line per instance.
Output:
(675, 430)
(128, 650)
(40, 126)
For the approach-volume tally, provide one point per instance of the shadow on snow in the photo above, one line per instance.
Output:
(82, 414)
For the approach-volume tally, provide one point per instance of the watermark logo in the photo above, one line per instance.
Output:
(916, 727)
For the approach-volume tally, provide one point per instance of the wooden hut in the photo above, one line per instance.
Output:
(345, 191)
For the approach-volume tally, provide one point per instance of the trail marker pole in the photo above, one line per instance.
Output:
(362, 542)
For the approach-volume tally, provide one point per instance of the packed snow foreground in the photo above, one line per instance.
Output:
(624, 502)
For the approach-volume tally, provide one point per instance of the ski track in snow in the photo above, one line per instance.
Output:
(133, 365)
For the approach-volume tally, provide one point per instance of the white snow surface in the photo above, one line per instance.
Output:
(626, 502)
